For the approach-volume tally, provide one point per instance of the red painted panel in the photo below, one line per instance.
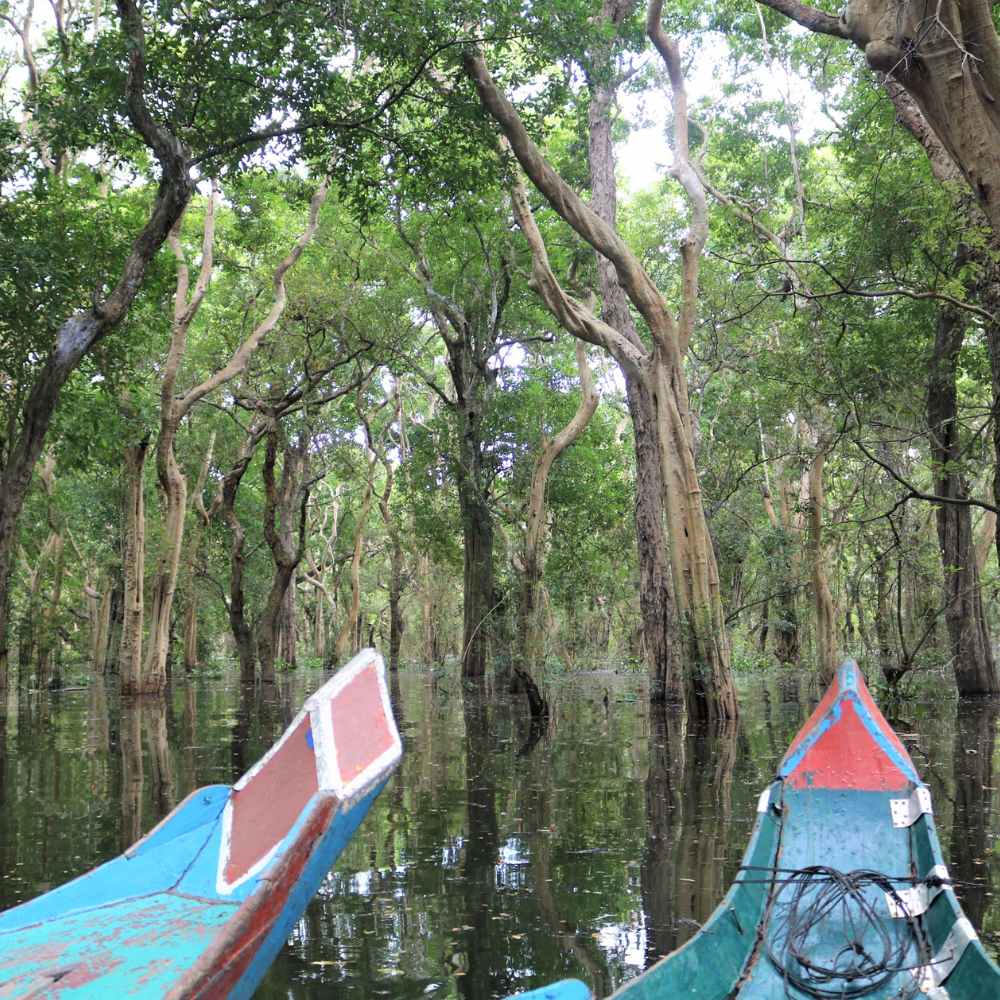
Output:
(360, 728)
(879, 720)
(847, 757)
(821, 709)
(266, 807)
(219, 969)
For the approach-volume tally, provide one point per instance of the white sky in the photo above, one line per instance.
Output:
(643, 159)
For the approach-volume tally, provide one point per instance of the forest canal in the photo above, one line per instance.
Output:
(494, 861)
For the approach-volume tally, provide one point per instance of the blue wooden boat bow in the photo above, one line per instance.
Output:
(843, 891)
(202, 904)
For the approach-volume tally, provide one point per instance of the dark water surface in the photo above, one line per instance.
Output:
(498, 858)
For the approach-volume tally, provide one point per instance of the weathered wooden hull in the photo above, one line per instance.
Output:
(847, 797)
(203, 903)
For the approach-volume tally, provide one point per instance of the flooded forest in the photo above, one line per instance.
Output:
(616, 370)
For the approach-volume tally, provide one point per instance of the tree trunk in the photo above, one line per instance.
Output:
(471, 332)
(883, 631)
(47, 671)
(319, 626)
(530, 627)
(396, 623)
(972, 653)
(287, 625)
(948, 62)
(657, 601)
(81, 331)
(347, 643)
(283, 500)
(243, 636)
(246, 649)
(826, 631)
(428, 618)
(708, 683)
(477, 580)
(102, 633)
(173, 486)
(134, 563)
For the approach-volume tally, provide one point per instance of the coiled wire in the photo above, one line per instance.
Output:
(812, 907)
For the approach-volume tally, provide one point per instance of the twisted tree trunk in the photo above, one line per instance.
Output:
(283, 501)
(533, 549)
(134, 561)
(81, 331)
(655, 374)
(971, 648)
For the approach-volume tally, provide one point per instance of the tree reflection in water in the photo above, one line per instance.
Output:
(973, 828)
(499, 858)
(689, 788)
(482, 847)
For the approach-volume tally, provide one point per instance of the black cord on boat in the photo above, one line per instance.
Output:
(814, 906)
(928, 880)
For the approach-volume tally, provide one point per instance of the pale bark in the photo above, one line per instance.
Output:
(173, 409)
(823, 603)
(81, 331)
(532, 568)
(134, 563)
(708, 682)
(986, 539)
(102, 633)
(347, 636)
(196, 560)
(391, 524)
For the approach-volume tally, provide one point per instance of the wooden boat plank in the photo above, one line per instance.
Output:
(118, 945)
(202, 904)
(847, 797)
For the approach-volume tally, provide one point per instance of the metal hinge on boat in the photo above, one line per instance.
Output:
(930, 977)
(915, 900)
(905, 812)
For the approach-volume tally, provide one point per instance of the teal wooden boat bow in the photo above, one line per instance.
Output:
(201, 905)
(843, 892)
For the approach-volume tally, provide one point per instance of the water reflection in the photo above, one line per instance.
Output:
(500, 857)
(973, 827)
(688, 824)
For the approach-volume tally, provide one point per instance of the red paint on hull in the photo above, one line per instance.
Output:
(360, 727)
(234, 948)
(847, 757)
(826, 703)
(265, 808)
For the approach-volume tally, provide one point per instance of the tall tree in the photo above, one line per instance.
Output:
(659, 402)
(84, 329)
(946, 59)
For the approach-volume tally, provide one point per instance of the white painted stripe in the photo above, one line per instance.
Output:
(930, 977)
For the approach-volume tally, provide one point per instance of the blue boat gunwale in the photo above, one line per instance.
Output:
(227, 940)
(973, 975)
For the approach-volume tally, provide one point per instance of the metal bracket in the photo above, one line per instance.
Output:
(916, 899)
(905, 812)
(930, 977)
